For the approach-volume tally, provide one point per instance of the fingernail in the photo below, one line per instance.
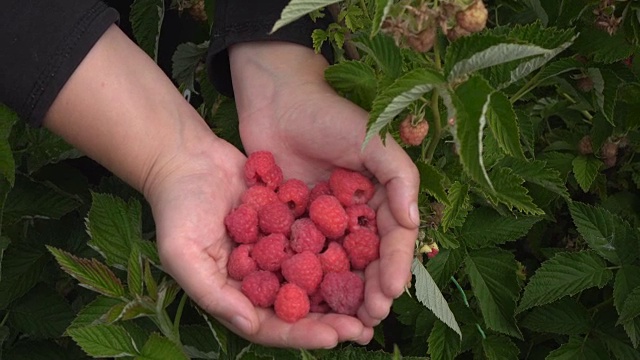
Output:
(242, 324)
(414, 214)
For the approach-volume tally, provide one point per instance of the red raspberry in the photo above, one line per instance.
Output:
(240, 262)
(261, 168)
(321, 188)
(350, 187)
(292, 303)
(261, 287)
(318, 305)
(343, 291)
(362, 247)
(275, 218)
(304, 270)
(242, 224)
(362, 216)
(270, 251)
(334, 259)
(294, 193)
(306, 236)
(412, 132)
(329, 216)
(258, 196)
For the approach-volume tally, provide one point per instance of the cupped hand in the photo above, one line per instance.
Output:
(285, 106)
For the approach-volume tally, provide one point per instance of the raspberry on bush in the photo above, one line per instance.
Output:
(261, 287)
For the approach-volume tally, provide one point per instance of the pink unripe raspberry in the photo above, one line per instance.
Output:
(258, 196)
(343, 292)
(334, 259)
(270, 251)
(305, 236)
(295, 194)
(585, 145)
(304, 270)
(261, 168)
(261, 287)
(473, 18)
(241, 263)
(362, 216)
(321, 188)
(413, 132)
(350, 187)
(242, 224)
(275, 218)
(292, 303)
(329, 216)
(362, 247)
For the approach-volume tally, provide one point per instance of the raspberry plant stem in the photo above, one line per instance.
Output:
(466, 303)
(435, 100)
(178, 317)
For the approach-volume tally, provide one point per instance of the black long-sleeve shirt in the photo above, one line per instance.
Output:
(43, 42)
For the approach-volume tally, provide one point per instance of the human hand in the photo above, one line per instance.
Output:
(285, 106)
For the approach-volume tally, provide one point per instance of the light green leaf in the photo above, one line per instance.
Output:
(492, 273)
(499, 347)
(159, 347)
(430, 296)
(579, 349)
(504, 125)
(185, 61)
(104, 340)
(444, 343)
(318, 37)
(22, 267)
(585, 170)
(509, 191)
(432, 181)
(455, 213)
(296, 9)
(383, 50)
(7, 163)
(537, 172)
(134, 272)
(563, 275)
(445, 265)
(565, 316)
(382, 9)
(92, 313)
(146, 21)
(355, 79)
(485, 227)
(631, 307)
(41, 313)
(91, 273)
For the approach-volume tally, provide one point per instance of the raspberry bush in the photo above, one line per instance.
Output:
(522, 122)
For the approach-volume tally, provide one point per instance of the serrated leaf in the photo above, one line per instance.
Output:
(219, 332)
(605, 85)
(395, 98)
(610, 236)
(585, 170)
(41, 313)
(150, 282)
(613, 337)
(429, 295)
(444, 343)
(626, 281)
(556, 68)
(355, 79)
(579, 349)
(91, 273)
(104, 340)
(504, 125)
(146, 20)
(602, 47)
(455, 213)
(465, 47)
(471, 101)
(509, 191)
(485, 227)
(383, 50)
(197, 340)
(7, 163)
(445, 265)
(537, 172)
(32, 199)
(492, 273)
(159, 347)
(563, 275)
(45, 147)
(185, 61)
(296, 9)
(114, 226)
(92, 313)
(499, 347)
(631, 306)
(432, 181)
(382, 9)
(565, 316)
(134, 272)
(22, 266)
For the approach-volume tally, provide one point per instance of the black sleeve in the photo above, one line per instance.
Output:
(42, 42)
(239, 21)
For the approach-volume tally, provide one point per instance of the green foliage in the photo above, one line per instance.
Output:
(146, 18)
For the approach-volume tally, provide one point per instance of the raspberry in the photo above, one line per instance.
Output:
(362, 247)
(197, 10)
(344, 292)
(329, 216)
(361, 216)
(275, 218)
(295, 194)
(413, 132)
(292, 303)
(609, 149)
(318, 305)
(304, 270)
(610, 162)
(585, 146)
(242, 224)
(456, 33)
(334, 259)
(584, 84)
(321, 188)
(240, 262)
(270, 251)
(261, 287)
(258, 196)
(305, 236)
(473, 18)
(261, 168)
(435, 250)
(424, 40)
(350, 187)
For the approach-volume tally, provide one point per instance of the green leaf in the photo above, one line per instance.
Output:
(30, 199)
(160, 348)
(382, 9)
(444, 343)
(604, 48)
(91, 273)
(564, 274)
(7, 163)
(296, 9)
(556, 68)
(22, 267)
(445, 265)
(607, 234)
(471, 101)
(626, 281)
(613, 337)
(198, 341)
(146, 20)
(606, 85)
(537, 172)
(565, 316)
(394, 99)
(93, 312)
(631, 307)
(318, 37)
(579, 349)
(499, 347)
(455, 214)
(383, 50)
(492, 273)
(185, 61)
(45, 147)
(219, 332)
(134, 272)
(41, 313)
(509, 191)
(104, 340)
(432, 181)
(114, 226)
(485, 227)
(355, 79)
(430, 296)
(504, 125)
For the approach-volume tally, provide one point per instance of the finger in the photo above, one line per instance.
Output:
(376, 305)
(365, 338)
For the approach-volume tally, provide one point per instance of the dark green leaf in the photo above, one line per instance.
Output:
(94, 311)
(585, 169)
(22, 266)
(579, 349)
(146, 20)
(104, 340)
(509, 191)
(134, 272)
(485, 227)
(499, 347)
(504, 125)
(455, 213)
(7, 163)
(626, 281)
(382, 9)
(604, 48)
(383, 50)
(432, 181)
(631, 307)
(185, 60)
(356, 80)
(537, 172)
(197, 340)
(31, 199)
(566, 317)
(159, 347)
(445, 265)
(41, 313)
(45, 147)
(444, 343)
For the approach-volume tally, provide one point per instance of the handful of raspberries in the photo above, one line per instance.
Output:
(297, 247)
